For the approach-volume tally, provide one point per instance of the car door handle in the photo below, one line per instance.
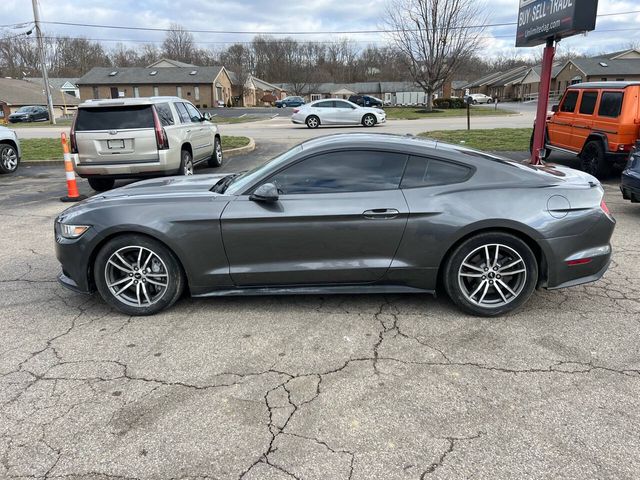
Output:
(189, 131)
(380, 213)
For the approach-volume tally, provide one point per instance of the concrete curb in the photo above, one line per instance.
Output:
(232, 152)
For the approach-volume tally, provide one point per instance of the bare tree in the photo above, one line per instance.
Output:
(178, 44)
(238, 59)
(435, 37)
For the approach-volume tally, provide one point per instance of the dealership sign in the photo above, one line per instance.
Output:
(539, 20)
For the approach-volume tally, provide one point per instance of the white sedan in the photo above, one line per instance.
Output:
(480, 98)
(335, 111)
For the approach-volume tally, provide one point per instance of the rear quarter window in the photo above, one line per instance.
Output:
(427, 172)
(611, 104)
(165, 114)
(114, 118)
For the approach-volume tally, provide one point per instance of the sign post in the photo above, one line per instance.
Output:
(547, 22)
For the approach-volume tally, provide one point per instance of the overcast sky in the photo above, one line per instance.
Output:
(289, 15)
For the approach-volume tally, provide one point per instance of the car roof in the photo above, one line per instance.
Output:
(617, 85)
(113, 102)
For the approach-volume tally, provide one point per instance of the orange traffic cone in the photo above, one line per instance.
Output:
(72, 186)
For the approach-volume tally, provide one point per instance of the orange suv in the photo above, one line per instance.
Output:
(599, 122)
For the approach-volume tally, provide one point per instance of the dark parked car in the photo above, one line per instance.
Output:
(29, 114)
(355, 213)
(365, 101)
(630, 184)
(290, 102)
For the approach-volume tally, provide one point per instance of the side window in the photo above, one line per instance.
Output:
(343, 105)
(182, 112)
(338, 172)
(193, 113)
(611, 104)
(425, 172)
(327, 104)
(588, 102)
(165, 114)
(569, 102)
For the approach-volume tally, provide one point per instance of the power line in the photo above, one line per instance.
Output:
(324, 32)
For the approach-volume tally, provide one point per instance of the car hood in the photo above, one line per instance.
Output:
(166, 186)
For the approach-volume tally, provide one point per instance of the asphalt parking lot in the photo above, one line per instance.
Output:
(331, 387)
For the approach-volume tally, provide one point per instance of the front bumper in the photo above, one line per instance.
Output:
(74, 257)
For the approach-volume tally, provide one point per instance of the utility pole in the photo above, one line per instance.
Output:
(45, 77)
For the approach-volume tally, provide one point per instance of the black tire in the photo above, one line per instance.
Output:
(546, 152)
(593, 160)
(490, 100)
(369, 120)
(312, 121)
(186, 163)
(168, 295)
(29, 119)
(475, 102)
(523, 286)
(217, 157)
(101, 184)
(9, 160)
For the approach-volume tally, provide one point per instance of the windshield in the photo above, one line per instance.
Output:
(241, 182)
(24, 109)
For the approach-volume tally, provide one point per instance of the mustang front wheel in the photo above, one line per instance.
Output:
(491, 274)
(138, 275)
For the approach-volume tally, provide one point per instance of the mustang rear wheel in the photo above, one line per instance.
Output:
(138, 275)
(491, 274)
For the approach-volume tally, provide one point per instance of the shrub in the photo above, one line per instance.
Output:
(449, 103)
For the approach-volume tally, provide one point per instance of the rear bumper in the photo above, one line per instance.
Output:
(168, 163)
(630, 186)
(592, 246)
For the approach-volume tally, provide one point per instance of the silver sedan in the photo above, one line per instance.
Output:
(337, 112)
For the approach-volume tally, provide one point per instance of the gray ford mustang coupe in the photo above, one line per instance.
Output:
(350, 213)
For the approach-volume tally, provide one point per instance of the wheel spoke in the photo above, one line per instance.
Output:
(138, 293)
(124, 288)
(146, 261)
(154, 275)
(146, 295)
(482, 284)
(512, 264)
(472, 267)
(488, 257)
(119, 282)
(139, 257)
(515, 272)
(472, 275)
(507, 288)
(484, 294)
(124, 262)
(495, 260)
(156, 283)
(499, 290)
(120, 267)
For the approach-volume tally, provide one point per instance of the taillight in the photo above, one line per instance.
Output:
(605, 209)
(296, 110)
(72, 135)
(161, 136)
(580, 261)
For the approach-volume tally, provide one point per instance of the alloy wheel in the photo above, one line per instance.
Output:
(188, 166)
(312, 122)
(136, 276)
(9, 159)
(492, 275)
(369, 121)
(219, 152)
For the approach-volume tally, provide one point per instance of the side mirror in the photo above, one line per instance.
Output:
(207, 116)
(555, 108)
(267, 192)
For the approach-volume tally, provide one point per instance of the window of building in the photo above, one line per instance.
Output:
(425, 172)
(339, 172)
(316, 96)
(611, 104)
(179, 92)
(196, 93)
(136, 92)
(96, 93)
(156, 92)
(569, 102)
(588, 103)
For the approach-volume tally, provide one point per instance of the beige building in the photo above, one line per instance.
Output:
(205, 87)
(16, 93)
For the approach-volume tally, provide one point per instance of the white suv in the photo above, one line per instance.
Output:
(141, 137)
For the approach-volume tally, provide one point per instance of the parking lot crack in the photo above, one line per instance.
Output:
(451, 444)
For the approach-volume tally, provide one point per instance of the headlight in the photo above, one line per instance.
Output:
(72, 231)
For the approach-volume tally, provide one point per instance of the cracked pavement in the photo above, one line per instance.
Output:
(313, 387)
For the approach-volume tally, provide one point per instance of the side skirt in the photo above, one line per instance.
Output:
(313, 290)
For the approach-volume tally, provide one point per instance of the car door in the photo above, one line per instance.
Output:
(561, 122)
(324, 110)
(345, 113)
(583, 119)
(339, 219)
(201, 138)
